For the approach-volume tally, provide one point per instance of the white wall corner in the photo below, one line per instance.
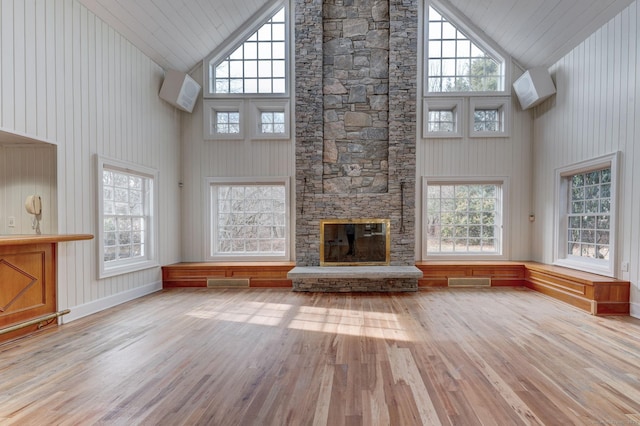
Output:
(634, 310)
(96, 306)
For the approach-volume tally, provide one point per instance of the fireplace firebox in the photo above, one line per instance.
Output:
(354, 242)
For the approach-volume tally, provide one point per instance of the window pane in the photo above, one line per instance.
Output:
(469, 67)
(250, 217)
(124, 219)
(588, 214)
(462, 219)
(237, 72)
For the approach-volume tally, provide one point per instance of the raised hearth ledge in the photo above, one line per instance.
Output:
(363, 272)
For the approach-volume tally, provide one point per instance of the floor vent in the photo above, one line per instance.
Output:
(228, 282)
(469, 282)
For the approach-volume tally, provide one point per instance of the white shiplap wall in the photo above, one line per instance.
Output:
(496, 157)
(69, 78)
(214, 158)
(596, 111)
(27, 170)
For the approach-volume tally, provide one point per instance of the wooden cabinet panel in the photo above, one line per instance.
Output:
(27, 285)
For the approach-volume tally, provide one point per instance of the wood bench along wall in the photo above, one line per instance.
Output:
(596, 294)
(260, 274)
(593, 293)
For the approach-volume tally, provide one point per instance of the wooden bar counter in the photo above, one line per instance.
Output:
(28, 282)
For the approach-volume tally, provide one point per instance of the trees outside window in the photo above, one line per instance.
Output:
(126, 213)
(463, 218)
(249, 220)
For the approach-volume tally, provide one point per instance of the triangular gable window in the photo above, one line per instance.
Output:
(459, 63)
(258, 65)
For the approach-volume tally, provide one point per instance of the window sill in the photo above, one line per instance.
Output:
(127, 268)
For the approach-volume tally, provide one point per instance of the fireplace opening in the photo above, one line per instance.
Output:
(354, 242)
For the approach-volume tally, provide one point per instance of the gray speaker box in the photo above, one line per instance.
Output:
(180, 90)
(533, 87)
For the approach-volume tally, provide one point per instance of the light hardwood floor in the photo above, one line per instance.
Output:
(499, 356)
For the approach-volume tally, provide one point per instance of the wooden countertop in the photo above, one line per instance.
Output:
(22, 239)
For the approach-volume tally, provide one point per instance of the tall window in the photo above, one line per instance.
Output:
(256, 66)
(456, 63)
(126, 212)
(586, 216)
(463, 218)
(248, 92)
(249, 220)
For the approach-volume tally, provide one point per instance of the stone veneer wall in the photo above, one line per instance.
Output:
(315, 200)
(356, 101)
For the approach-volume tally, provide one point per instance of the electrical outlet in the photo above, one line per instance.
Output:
(11, 222)
(625, 267)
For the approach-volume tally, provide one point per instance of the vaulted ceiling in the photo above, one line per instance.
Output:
(178, 34)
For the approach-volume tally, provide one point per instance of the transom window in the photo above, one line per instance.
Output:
(272, 122)
(227, 122)
(456, 63)
(463, 219)
(442, 121)
(249, 220)
(126, 217)
(487, 120)
(258, 65)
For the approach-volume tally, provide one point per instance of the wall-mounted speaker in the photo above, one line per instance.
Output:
(533, 87)
(180, 90)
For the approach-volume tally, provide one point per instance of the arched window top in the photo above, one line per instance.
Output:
(258, 65)
(457, 60)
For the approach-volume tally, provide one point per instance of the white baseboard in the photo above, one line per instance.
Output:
(96, 306)
(634, 310)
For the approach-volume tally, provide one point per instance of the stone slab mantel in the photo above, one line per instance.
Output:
(359, 272)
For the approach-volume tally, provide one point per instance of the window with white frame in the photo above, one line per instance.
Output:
(489, 117)
(224, 120)
(249, 219)
(457, 61)
(270, 119)
(465, 78)
(442, 118)
(258, 65)
(252, 72)
(227, 122)
(464, 218)
(126, 213)
(586, 215)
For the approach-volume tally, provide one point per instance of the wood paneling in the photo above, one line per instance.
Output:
(437, 273)
(68, 78)
(595, 112)
(265, 274)
(27, 285)
(499, 356)
(594, 293)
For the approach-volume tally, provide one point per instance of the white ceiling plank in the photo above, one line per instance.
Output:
(178, 34)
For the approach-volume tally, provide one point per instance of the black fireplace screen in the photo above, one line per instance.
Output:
(354, 242)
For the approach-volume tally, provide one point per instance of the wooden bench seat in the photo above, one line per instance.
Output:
(596, 294)
(593, 293)
(196, 274)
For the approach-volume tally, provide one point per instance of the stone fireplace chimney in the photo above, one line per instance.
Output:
(356, 88)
